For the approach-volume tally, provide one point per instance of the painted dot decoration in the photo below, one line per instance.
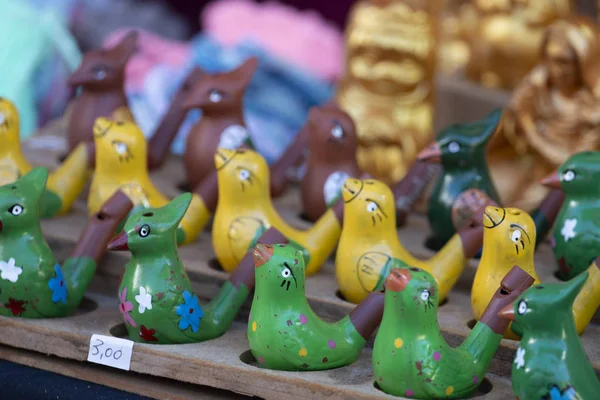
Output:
(476, 379)
(398, 343)
(437, 355)
(409, 393)
(303, 352)
(303, 319)
(449, 390)
(254, 326)
(331, 344)
(261, 360)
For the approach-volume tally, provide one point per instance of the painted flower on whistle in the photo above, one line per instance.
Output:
(144, 300)
(190, 312)
(126, 307)
(9, 271)
(58, 286)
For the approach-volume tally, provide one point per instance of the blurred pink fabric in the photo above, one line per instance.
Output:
(152, 50)
(302, 38)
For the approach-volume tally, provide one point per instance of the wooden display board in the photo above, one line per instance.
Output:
(224, 367)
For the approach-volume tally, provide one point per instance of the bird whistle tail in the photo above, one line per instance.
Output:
(208, 190)
(472, 240)
(101, 227)
(244, 272)
(545, 214)
(338, 210)
(90, 149)
(366, 316)
(409, 189)
(511, 287)
(293, 156)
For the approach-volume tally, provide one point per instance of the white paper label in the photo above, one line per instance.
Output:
(110, 351)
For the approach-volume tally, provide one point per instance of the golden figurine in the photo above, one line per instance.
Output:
(504, 45)
(458, 24)
(554, 112)
(389, 84)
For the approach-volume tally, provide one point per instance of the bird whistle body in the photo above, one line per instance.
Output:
(101, 77)
(64, 184)
(32, 283)
(550, 361)
(156, 298)
(413, 359)
(121, 164)
(460, 149)
(220, 97)
(509, 239)
(576, 233)
(369, 246)
(284, 332)
(245, 211)
(332, 144)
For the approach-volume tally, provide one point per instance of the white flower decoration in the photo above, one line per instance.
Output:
(10, 272)
(144, 299)
(568, 229)
(520, 358)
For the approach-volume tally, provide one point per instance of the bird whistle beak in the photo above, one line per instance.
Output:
(507, 312)
(431, 154)
(119, 242)
(262, 254)
(552, 181)
(397, 279)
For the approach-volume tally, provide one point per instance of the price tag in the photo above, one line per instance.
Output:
(110, 351)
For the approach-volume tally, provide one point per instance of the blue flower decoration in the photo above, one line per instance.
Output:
(58, 286)
(190, 312)
(567, 394)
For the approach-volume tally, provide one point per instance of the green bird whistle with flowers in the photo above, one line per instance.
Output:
(156, 298)
(32, 283)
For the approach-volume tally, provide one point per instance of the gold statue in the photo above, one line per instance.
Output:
(389, 84)
(554, 112)
(458, 24)
(504, 45)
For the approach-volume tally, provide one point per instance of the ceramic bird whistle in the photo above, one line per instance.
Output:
(163, 136)
(509, 240)
(332, 144)
(156, 298)
(101, 77)
(550, 362)
(245, 211)
(576, 234)
(413, 359)
(369, 246)
(284, 333)
(461, 151)
(121, 164)
(64, 184)
(220, 97)
(32, 283)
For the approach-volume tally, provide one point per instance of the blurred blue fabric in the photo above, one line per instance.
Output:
(276, 103)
